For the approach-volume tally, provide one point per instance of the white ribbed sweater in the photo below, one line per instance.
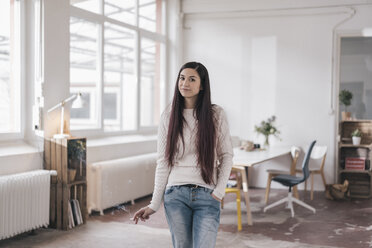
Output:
(185, 169)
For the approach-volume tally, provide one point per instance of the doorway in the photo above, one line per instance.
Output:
(356, 75)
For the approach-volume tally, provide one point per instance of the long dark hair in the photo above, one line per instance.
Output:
(206, 134)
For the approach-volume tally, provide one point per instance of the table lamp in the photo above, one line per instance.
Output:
(77, 103)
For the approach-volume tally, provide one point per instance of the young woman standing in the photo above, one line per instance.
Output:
(194, 161)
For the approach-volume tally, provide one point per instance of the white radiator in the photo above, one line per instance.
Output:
(24, 202)
(117, 181)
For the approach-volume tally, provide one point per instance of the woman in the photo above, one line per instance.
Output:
(194, 161)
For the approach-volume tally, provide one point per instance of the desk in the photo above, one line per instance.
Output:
(243, 160)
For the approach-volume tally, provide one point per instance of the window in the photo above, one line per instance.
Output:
(117, 62)
(151, 88)
(150, 15)
(120, 77)
(90, 5)
(10, 85)
(124, 11)
(84, 71)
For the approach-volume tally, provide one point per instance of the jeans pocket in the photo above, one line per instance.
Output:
(168, 191)
(214, 199)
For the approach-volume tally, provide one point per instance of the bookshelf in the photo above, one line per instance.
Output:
(68, 194)
(354, 162)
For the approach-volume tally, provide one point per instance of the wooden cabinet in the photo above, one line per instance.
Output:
(68, 157)
(354, 162)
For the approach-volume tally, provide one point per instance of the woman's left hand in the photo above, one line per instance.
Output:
(216, 198)
(143, 214)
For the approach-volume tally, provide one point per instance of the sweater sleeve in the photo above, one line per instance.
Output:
(162, 169)
(224, 155)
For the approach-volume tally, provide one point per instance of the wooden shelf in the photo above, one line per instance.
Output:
(77, 182)
(342, 145)
(356, 171)
(357, 121)
(360, 181)
(62, 155)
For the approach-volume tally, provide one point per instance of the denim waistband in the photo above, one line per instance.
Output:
(193, 186)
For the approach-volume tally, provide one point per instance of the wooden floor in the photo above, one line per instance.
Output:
(335, 224)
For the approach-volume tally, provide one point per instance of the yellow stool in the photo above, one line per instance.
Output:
(237, 192)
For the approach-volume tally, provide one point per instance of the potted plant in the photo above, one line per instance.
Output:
(76, 155)
(267, 128)
(345, 99)
(356, 135)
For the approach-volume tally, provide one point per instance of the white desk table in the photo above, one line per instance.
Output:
(243, 160)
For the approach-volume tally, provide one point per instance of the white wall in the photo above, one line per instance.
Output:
(56, 61)
(272, 61)
(19, 157)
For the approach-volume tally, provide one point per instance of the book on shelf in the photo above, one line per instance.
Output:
(71, 222)
(76, 212)
(79, 211)
(355, 163)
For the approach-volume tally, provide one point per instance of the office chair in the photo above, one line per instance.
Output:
(319, 153)
(295, 153)
(290, 181)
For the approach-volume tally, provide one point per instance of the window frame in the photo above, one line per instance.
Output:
(21, 60)
(100, 19)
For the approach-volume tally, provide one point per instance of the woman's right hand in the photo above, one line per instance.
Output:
(143, 214)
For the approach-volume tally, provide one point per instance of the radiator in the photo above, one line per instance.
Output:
(24, 202)
(113, 182)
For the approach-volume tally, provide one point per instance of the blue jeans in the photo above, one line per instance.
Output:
(193, 216)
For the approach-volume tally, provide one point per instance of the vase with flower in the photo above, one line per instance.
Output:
(356, 136)
(268, 128)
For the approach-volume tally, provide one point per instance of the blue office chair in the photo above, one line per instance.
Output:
(290, 181)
